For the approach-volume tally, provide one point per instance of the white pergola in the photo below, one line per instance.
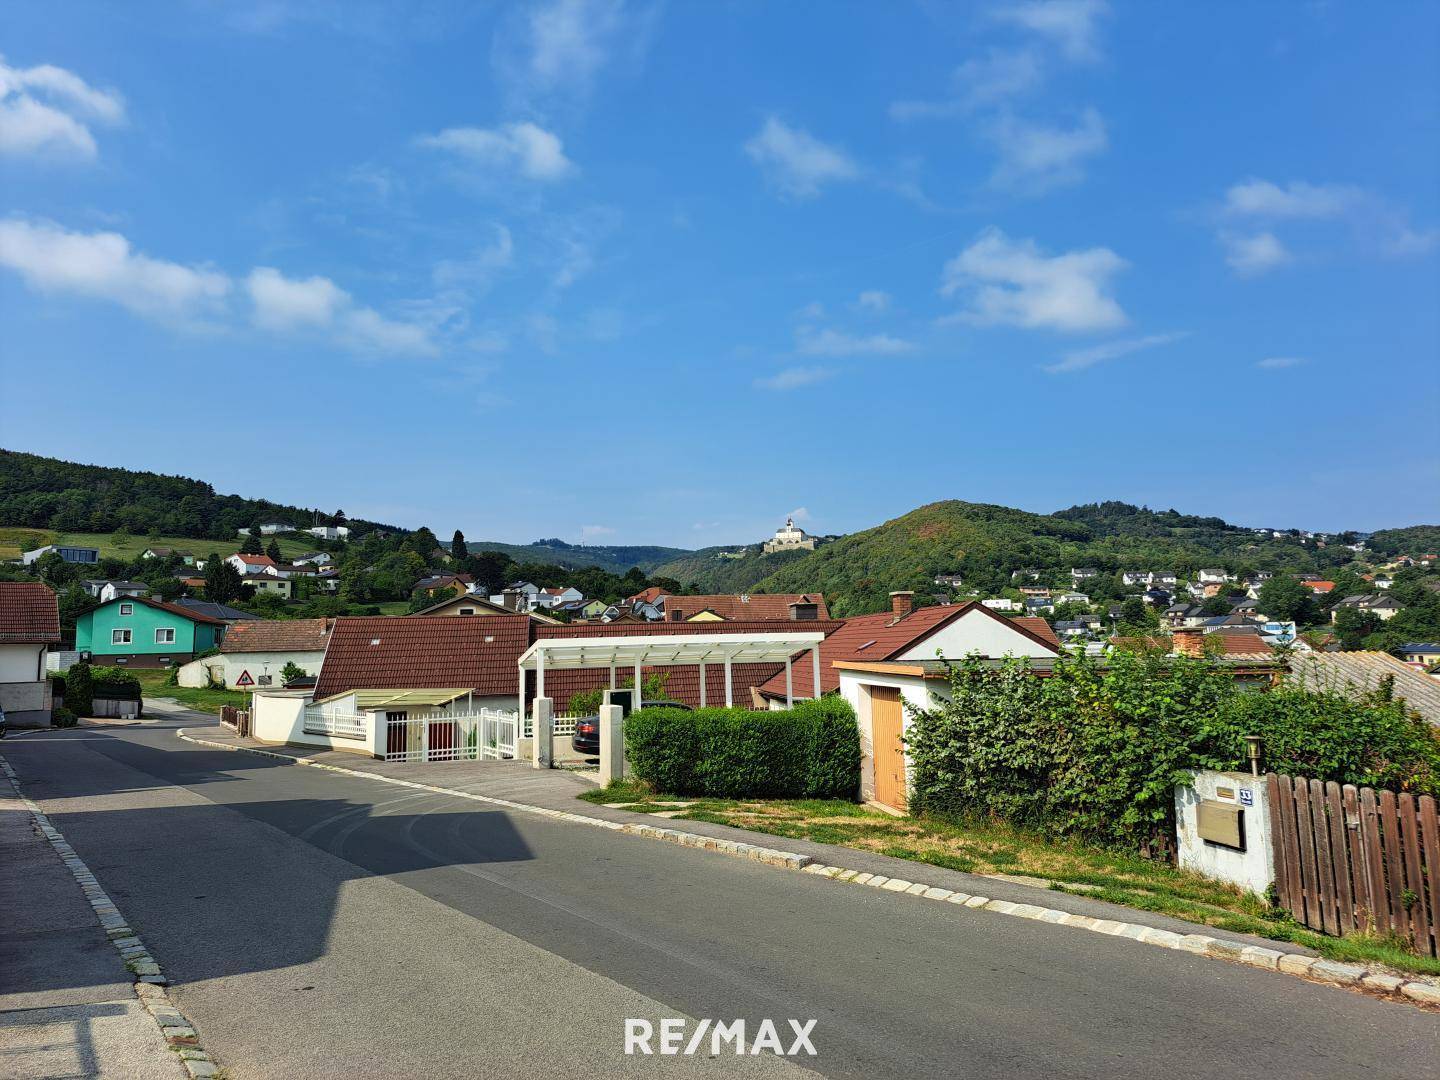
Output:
(638, 651)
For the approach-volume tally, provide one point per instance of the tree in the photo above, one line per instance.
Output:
(290, 672)
(1287, 598)
(1352, 627)
(222, 580)
(422, 542)
(272, 550)
(253, 544)
(458, 549)
(1216, 605)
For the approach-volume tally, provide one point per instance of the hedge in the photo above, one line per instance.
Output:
(1095, 751)
(811, 751)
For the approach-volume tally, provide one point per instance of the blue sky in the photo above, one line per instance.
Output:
(664, 273)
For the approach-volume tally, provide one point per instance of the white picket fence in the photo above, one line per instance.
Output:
(562, 725)
(486, 735)
(328, 720)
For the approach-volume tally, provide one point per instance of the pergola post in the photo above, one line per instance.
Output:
(635, 704)
(539, 673)
(729, 689)
(702, 684)
(815, 669)
(789, 685)
(612, 676)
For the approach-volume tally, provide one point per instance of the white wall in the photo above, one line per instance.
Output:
(21, 663)
(267, 663)
(197, 673)
(975, 632)
(1253, 868)
(279, 717)
(914, 691)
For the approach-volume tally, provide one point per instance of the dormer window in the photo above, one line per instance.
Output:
(127, 609)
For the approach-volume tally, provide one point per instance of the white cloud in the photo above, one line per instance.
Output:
(559, 49)
(44, 111)
(1013, 283)
(1080, 359)
(102, 265)
(285, 305)
(590, 532)
(525, 149)
(813, 342)
(1275, 363)
(1249, 255)
(1297, 199)
(795, 161)
(1069, 24)
(998, 76)
(794, 378)
(799, 514)
(1036, 157)
(479, 268)
(1404, 240)
(873, 300)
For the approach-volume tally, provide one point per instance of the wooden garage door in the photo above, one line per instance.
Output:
(886, 724)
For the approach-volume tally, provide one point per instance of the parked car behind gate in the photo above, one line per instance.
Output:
(586, 739)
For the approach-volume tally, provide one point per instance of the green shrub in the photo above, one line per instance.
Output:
(1095, 751)
(79, 690)
(810, 751)
(62, 717)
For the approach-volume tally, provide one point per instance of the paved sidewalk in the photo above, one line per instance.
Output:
(67, 1005)
(556, 789)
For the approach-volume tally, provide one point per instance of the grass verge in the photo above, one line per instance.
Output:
(993, 848)
(155, 683)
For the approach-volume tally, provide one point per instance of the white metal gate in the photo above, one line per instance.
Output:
(488, 734)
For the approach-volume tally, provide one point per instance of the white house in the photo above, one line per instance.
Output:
(1001, 603)
(246, 565)
(330, 532)
(255, 652)
(554, 598)
(313, 558)
(1212, 577)
(29, 625)
(112, 589)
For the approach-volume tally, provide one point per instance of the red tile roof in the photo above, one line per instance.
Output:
(277, 635)
(744, 606)
(1320, 586)
(424, 652)
(255, 560)
(880, 637)
(28, 613)
(646, 596)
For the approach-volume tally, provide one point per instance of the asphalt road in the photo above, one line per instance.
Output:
(323, 925)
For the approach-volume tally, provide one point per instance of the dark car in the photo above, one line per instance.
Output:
(587, 728)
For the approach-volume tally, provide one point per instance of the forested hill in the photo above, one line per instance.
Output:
(45, 493)
(987, 543)
(614, 558)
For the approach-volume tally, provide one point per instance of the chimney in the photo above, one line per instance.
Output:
(1188, 641)
(902, 602)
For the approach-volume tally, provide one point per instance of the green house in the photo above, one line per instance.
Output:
(135, 632)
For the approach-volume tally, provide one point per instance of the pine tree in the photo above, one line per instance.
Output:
(222, 581)
(458, 551)
(253, 544)
(273, 550)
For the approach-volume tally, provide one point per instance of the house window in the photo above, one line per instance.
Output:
(120, 637)
(127, 609)
(467, 611)
(165, 635)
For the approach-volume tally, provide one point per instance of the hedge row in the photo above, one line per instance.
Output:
(811, 751)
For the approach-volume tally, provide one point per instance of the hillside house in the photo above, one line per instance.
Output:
(247, 565)
(68, 552)
(1382, 606)
(330, 532)
(140, 632)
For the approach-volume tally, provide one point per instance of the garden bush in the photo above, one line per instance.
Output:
(1095, 751)
(79, 690)
(62, 717)
(810, 751)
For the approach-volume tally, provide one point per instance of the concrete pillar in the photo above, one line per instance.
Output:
(543, 725)
(612, 743)
(702, 684)
(815, 669)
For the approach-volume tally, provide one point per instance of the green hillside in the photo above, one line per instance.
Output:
(614, 558)
(987, 543)
(711, 571)
(126, 546)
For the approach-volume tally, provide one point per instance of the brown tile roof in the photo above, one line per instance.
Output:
(880, 637)
(418, 653)
(646, 596)
(1039, 627)
(744, 606)
(28, 613)
(1349, 672)
(277, 635)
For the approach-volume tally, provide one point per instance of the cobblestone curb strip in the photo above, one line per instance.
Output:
(1351, 976)
(178, 1032)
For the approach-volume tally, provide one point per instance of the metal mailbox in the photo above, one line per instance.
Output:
(1221, 823)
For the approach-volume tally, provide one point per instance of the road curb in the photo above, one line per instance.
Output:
(179, 1034)
(1311, 968)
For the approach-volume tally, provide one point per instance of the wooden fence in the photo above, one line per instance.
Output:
(237, 720)
(1354, 859)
